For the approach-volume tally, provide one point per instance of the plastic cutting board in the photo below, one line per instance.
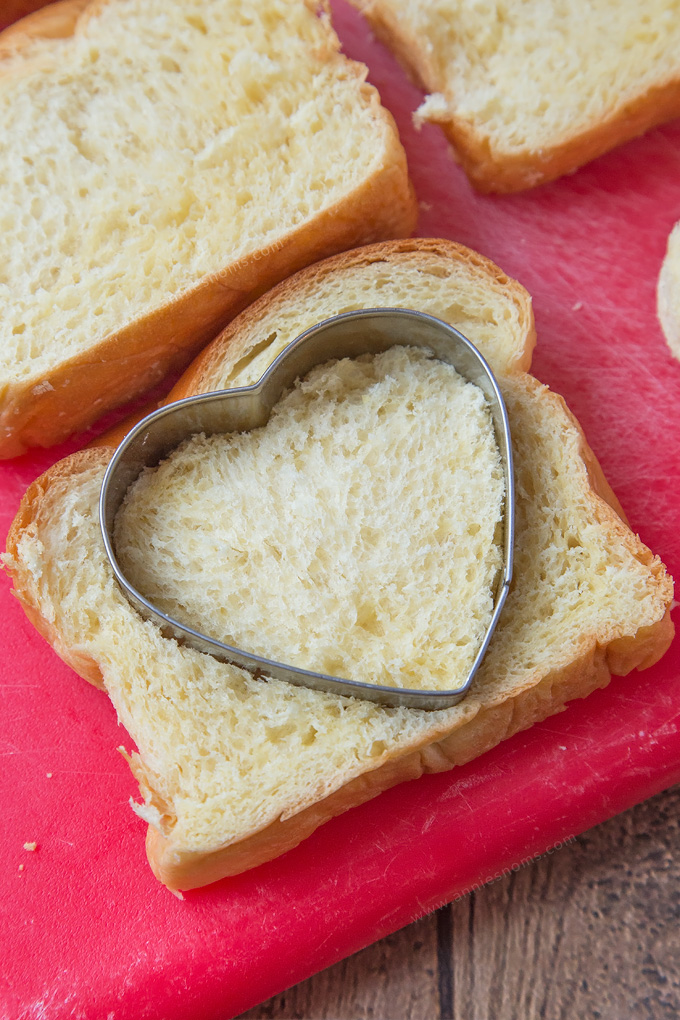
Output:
(87, 932)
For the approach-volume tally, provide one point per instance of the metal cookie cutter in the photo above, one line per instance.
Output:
(239, 410)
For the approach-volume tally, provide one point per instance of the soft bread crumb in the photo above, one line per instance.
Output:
(356, 534)
(150, 814)
(31, 551)
(30, 846)
(433, 109)
(668, 293)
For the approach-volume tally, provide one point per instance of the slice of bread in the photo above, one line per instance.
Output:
(234, 771)
(164, 161)
(530, 90)
(668, 292)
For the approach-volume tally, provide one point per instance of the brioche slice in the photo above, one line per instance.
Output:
(234, 771)
(530, 90)
(668, 292)
(163, 161)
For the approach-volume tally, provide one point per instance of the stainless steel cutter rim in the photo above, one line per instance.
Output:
(141, 450)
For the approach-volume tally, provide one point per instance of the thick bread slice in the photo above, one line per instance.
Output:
(530, 90)
(234, 771)
(668, 292)
(163, 162)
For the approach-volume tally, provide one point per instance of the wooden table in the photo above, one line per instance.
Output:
(590, 931)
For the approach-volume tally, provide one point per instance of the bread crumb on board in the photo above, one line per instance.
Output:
(30, 846)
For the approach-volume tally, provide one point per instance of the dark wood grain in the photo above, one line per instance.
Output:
(590, 931)
(396, 977)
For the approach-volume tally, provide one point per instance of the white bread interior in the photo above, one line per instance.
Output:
(668, 292)
(233, 770)
(358, 533)
(529, 90)
(163, 161)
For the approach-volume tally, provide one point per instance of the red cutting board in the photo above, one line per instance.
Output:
(87, 932)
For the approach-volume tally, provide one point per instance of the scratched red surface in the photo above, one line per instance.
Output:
(86, 931)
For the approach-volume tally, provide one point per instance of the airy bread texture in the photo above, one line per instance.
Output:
(234, 771)
(530, 90)
(313, 540)
(163, 161)
(668, 292)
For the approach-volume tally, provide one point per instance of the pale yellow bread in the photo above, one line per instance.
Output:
(163, 162)
(234, 771)
(668, 292)
(312, 540)
(530, 90)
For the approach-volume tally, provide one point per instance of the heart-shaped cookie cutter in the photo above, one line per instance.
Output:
(369, 331)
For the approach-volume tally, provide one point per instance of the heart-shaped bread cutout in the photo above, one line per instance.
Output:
(358, 526)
